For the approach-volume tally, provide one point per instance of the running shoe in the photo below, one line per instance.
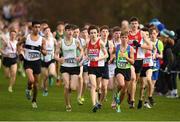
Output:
(80, 102)
(132, 105)
(28, 94)
(96, 107)
(139, 104)
(34, 105)
(118, 108)
(68, 108)
(146, 105)
(10, 89)
(82, 99)
(45, 93)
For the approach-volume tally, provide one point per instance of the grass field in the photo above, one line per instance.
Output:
(14, 106)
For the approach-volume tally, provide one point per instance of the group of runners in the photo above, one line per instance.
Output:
(97, 57)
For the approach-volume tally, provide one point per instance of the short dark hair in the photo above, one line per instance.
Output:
(35, 22)
(145, 29)
(76, 27)
(46, 28)
(44, 21)
(82, 29)
(104, 27)
(60, 23)
(134, 19)
(12, 30)
(69, 26)
(116, 28)
(91, 27)
(153, 27)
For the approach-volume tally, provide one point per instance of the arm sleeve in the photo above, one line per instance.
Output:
(160, 46)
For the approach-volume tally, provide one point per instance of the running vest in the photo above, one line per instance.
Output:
(148, 60)
(139, 52)
(50, 50)
(83, 45)
(156, 62)
(121, 62)
(32, 49)
(10, 49)
(69, 53)
(58, 36)
(94, 50)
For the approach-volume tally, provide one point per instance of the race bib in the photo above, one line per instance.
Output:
(12, 55)
(49, 52)
(91, 57)
(70, 60)
(146, 60)
(34, 55)
(121, 64)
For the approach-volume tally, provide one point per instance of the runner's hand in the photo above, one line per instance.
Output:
(78, 59)
(61, 60)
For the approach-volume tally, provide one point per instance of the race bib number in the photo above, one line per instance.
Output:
(70, 60)
(121, 65)
(91, 57)
(49, 52)
(146, 61)
(12, 55)
(34, 55)
(49, 56)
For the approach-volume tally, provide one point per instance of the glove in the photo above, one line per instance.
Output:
(21, 57)
(136, 44)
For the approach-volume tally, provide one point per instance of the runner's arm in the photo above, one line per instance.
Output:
(131, 58)
(103, 48)
(43, 50)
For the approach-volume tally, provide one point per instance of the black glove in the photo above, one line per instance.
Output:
(136, 44)
(21, 57)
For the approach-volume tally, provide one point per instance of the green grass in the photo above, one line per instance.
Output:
(14, 106)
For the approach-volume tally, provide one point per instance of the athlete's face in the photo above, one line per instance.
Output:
(134, 25)
(104, 33)
(93, 34)
(154, 34)
(13, 35)
(124, 39)
(47, 31)
(76, 33)
(60, 27)
(84, 34)
(145, 34)
(69, 32)
(117, 35)
(36, 28)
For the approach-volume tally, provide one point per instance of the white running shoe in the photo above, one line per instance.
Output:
(10, 89)
(34, 105)
(146, 105)
(172, 96)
